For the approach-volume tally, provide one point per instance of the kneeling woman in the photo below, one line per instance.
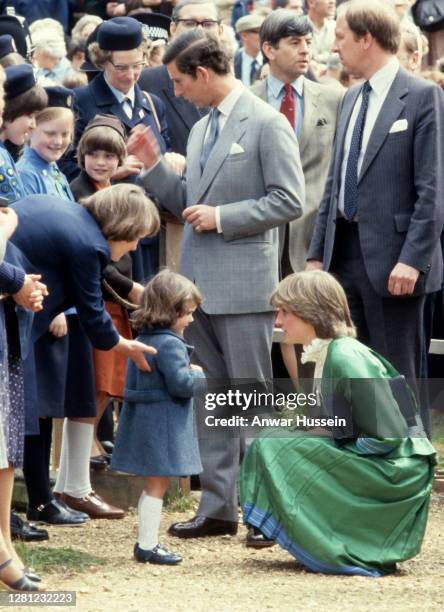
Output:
(352, 500)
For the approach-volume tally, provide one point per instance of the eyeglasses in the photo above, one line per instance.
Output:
(125, 67)
(206, 24)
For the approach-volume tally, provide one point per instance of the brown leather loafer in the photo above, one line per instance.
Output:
(94, 506)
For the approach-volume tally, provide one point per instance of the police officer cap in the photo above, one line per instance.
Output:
(6, 45)
(18, 80)
(106, 121)
(59, 96)
(155, 25)
(120, 34)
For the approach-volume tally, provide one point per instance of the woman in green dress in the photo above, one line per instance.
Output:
(352, 500)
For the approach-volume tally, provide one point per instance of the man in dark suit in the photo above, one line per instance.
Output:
(248, 59)
(181, 115)
(381, 217)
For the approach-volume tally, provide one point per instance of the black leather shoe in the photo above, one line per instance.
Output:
(56, 512)
(158, 555)
(108, 446)
(201, 526)
(21, 530)
(99, 462)
(256, 539)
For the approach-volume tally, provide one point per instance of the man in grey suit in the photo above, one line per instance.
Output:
(381, 216)
(243, 180)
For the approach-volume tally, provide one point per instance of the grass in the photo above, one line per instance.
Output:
(178, 502)
(50, 560)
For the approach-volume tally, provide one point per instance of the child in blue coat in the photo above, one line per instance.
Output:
(156, 436)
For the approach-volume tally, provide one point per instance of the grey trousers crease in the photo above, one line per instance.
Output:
(228, 347)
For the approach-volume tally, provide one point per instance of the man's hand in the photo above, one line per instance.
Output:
(193, 366)
(176, 161)
(132, 165)
(8, 222)
(135, 350)
(115, 9)
(201, 217)
(143, 144)
(58, 326)
(402, 279)
(313, 264)
(32, 293)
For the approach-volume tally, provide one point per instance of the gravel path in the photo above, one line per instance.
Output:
(220, 574)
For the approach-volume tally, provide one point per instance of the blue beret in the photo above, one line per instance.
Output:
(119, 34)
(59, 96)
(18, 80)
(6, 45)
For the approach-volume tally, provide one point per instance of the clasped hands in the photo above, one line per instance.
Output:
(143, 144)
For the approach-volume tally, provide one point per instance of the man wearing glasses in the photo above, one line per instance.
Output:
(181, 115)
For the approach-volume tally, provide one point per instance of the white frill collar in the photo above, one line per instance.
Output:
(316, 351)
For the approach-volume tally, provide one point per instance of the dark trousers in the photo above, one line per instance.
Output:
(391, 326)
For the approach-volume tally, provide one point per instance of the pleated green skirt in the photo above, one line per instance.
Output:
(334, 510)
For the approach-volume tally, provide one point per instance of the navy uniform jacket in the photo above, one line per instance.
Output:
(65, 245)
(181, 115)
(11, 186)
(97, 99)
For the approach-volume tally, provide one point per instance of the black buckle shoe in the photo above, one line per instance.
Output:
(21, 530)
(201, 526)
(158, 556)
(56, 512)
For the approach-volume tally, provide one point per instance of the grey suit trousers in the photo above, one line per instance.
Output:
(229, 347)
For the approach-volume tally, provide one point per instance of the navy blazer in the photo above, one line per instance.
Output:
(400, 186)
(65, 245)
(181, 115)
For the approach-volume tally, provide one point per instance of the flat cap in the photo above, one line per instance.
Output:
(253, 21)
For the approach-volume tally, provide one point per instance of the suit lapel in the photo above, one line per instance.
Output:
(232, 131)
(311, 114)
(390, 111)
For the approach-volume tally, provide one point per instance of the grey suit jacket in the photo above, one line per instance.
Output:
(400, 186)
(258, 188)
(321, 104)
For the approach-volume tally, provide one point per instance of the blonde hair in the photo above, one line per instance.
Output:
(123, 212)
(164, 300)
(318, 299)
(52, 113)
(76, 32)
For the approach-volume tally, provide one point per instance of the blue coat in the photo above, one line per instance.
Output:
(11, 186)
(64, 244)
(156, 435)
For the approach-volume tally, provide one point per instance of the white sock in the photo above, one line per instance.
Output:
(150, 510)
(79, 438)
(61, 474)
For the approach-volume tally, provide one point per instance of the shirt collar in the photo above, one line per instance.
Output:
(384, 77)
(120, 95)
(35, 158)
(276, 85)
(228, 103)
(248, 58)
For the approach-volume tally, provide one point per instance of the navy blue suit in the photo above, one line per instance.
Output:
(65, 245)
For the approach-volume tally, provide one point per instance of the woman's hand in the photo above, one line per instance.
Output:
(135, 294)
(8, 221)
(58, 326)
(135, 350)
(32, 293)
(176, 161)
(132, 165)
(193, 366)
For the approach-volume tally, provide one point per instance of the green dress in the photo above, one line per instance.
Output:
(353, 506)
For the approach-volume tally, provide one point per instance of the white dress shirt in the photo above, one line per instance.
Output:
(246, 61)
(128, 107)
(380, 83)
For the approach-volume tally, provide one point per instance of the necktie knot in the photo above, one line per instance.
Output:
(212, 136)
